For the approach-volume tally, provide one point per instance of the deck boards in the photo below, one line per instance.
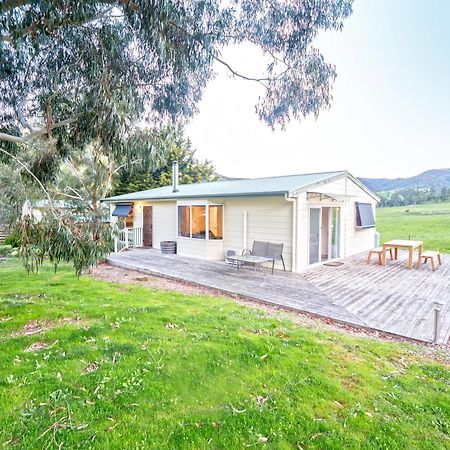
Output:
(393, 299)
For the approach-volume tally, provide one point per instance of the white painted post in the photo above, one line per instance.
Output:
(115, 244)
(437, 321)
(244, 230)
(126, 237)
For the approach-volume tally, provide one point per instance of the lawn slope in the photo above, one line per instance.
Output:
(428, 222)
(128, 367)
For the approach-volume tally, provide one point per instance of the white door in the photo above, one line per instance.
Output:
(335, 232)
(314, 234)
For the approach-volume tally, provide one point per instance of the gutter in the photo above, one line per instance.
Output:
(192, 196)
(294, 200)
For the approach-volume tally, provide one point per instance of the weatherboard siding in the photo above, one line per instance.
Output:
(353, 240)
(268, 219)
(194, 248)
(164, 222)
(138, 216)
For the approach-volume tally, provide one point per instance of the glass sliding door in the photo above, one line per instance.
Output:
(335, 225)
(314, 235)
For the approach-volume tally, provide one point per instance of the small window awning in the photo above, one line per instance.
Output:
(122, 210)
(326, 196)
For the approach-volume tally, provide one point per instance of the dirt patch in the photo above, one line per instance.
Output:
(36, 346)
(91, 367)
(105, 272)
(71, 321)
(34, 327)
(31, 328)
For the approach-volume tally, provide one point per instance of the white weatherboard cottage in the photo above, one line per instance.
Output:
(317, 217)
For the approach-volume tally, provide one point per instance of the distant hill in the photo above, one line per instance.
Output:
(436, 178)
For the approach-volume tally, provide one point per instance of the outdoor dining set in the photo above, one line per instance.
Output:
(434, 257)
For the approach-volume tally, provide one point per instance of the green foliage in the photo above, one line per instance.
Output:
(90, 71)
(79, 79)
(190, 168)
(5, 250)
(63, 240)
(121, 366)
(12, 194)
(13, 239)
(429, 223)
(414, 196)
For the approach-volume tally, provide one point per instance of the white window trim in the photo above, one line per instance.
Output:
(206, 205)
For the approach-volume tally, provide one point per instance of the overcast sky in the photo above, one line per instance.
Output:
(391, 111)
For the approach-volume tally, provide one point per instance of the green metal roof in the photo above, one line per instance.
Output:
(233, 188)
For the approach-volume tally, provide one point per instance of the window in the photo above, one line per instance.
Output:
(129, 220)
(364, 215)
(192, 222)
(199, 222)
(216, 222)
(184, 221)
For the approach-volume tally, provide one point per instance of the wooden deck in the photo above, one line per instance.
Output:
(392, 299)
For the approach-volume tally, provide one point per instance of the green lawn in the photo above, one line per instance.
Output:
(129, 367)
(429, 222)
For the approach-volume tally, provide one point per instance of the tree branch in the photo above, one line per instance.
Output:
(21, 116)
(33, 27)
(237, 74)
(8, 5)
(36, 133)
(34, 177)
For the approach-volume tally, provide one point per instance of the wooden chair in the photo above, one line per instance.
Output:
(378, 251)
(430, 256)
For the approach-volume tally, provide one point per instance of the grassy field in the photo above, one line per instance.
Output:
(121, 366)
(429, 223)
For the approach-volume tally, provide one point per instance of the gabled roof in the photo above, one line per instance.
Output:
(239, 188)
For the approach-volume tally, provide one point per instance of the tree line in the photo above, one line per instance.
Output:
(414, 196)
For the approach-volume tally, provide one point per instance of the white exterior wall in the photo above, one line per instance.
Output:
(138, 215)
(164, 222)
(302, 233)
(353, 240)
(194, 248)
(112, 219)
(268, 219)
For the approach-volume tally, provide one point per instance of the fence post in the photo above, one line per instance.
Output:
(115, 244)
(437, 321)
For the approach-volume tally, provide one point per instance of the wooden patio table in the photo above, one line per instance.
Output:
(406, 244)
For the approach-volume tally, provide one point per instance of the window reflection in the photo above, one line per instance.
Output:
(192, 222)
(199, 222)
(184, 221)
(216, 222)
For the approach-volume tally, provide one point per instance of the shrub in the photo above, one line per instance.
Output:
(6, 250)
(13, 239)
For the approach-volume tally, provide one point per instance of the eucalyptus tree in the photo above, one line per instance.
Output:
(75, 74)
(132, 177)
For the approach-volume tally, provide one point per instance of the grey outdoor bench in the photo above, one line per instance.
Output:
(273, 252)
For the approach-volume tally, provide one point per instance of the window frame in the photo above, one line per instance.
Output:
(206, 206)
(199, 238)
(215, 205)
(178, 221)
(358, 216)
